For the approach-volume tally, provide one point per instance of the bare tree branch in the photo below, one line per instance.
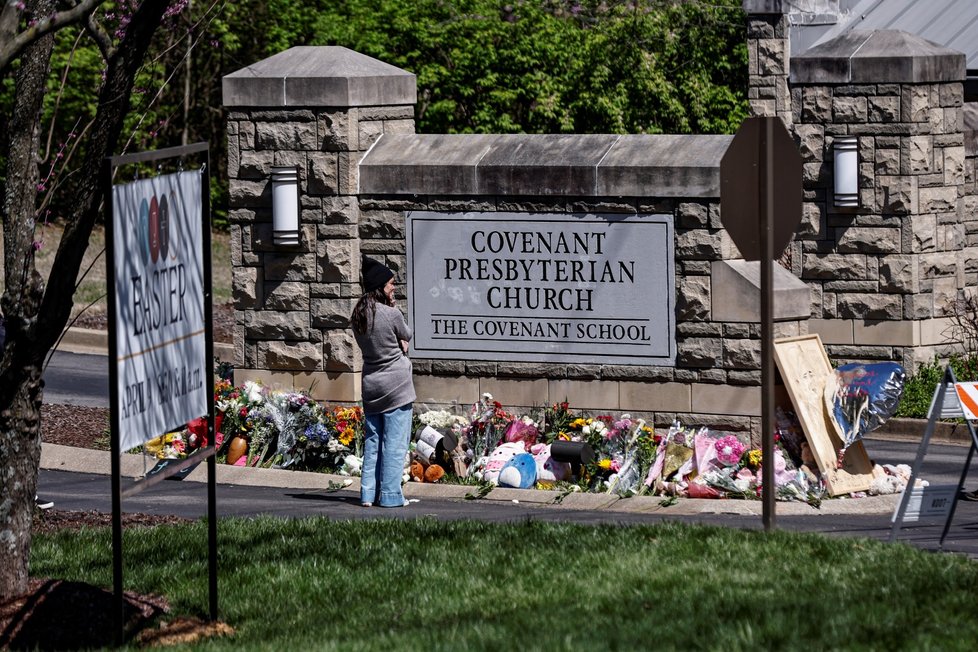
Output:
(100, 37)
(13, 44)
(114, 104)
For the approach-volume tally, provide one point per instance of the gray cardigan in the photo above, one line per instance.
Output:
(386, 381)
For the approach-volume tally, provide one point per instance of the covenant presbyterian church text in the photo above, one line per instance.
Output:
(581, 270)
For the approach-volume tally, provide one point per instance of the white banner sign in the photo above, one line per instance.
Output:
(159, 298)
(578, 288)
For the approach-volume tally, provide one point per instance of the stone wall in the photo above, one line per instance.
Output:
(718, 364)
(717, 368)
(361, 168)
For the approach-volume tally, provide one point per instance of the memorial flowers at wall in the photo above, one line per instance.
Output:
(258, 426)
(552, 448)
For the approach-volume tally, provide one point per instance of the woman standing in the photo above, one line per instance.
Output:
(386, 386)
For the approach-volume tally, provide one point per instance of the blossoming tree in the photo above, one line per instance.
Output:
(35, 310)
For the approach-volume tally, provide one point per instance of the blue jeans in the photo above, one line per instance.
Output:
(385, 446)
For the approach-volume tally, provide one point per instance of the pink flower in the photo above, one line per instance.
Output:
(729, 450)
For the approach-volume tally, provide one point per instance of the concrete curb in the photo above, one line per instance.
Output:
(96, 342)
(84, 460)
(913, 429)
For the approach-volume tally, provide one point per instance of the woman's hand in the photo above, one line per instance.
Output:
(404, 345)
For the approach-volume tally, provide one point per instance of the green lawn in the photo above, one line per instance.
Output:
(428, 585)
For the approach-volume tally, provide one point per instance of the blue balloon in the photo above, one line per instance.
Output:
(865, 396)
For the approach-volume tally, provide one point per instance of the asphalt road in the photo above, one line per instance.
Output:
(75, 378)
(84, 491)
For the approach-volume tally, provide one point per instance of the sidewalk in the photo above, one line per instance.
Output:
(83, 460)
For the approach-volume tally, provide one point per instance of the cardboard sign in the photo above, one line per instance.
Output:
(805, 369)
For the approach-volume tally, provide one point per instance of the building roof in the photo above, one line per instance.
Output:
(951, 23)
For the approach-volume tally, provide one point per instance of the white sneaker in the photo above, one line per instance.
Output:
(43, 504)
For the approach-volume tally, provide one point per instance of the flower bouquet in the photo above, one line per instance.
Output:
(487, 422)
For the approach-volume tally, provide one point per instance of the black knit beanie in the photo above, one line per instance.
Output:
(375, 274)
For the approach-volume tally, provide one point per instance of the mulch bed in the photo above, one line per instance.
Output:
(62, 615)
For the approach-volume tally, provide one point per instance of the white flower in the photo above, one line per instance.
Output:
(253, 391)
(442, 419)
(351, 465)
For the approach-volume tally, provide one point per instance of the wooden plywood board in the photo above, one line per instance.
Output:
(805, 369)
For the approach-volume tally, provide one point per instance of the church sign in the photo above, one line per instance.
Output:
(566, 288)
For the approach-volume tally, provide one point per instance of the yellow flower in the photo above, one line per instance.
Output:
(605, 464)
(754, 457)
(579, 423)
(346, 436)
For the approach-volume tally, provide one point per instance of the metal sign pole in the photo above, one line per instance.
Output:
(766, 193)
(205, 226)
(114, 372)
(118, 606)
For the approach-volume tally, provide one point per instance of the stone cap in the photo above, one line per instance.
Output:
(735, 292)
(875, 57)
(319, 76)
(544, 165)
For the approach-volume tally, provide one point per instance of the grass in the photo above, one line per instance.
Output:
(429, 585)
(91, 284)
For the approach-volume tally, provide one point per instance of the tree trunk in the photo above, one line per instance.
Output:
(34, 315)
(20, 366)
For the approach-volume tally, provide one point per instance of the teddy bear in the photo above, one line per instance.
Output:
(433, 473)
(520, 472)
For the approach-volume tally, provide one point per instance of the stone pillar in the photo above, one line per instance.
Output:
(883, 274)
(768, 56)
(318, 109)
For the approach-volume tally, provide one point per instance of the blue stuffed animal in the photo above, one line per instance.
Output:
(519, 473)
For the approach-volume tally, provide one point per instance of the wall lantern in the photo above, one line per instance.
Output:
(285, 205)
(846, 154)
